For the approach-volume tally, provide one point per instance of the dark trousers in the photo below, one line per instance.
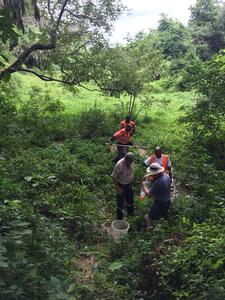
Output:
(128, 196)
(122, 150)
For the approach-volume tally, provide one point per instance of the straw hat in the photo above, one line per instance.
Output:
(155, 168)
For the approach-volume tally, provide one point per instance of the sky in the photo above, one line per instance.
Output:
(145, 15)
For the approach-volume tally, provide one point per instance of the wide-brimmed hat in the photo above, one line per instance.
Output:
(155, 168)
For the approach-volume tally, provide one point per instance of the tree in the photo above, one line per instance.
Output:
(125, 69)
(207, 118)
(18, 8)
(207, 26)
(66, 34)
(173, 38)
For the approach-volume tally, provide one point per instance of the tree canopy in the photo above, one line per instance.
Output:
(207, 26)
(68, 27)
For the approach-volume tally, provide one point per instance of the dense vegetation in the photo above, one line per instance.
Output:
(57, 198)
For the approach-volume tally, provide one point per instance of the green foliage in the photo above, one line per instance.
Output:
(73, 46)
(126, 68)
(173, 38)
(40, 114)
(207, 27)
(7, 30)
(207, 118)
(195, 270)
(56, 191)
(93, 123)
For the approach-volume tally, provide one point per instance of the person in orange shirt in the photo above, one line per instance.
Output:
(128, 121)
(160, 158)
(122, 138)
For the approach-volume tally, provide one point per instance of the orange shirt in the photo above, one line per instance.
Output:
(124, 123)
(122, 136)
(165, 160)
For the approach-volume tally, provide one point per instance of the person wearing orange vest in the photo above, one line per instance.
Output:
(126, 122)
(122, 137)
(160, 158)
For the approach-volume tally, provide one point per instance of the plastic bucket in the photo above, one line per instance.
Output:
(120, 229)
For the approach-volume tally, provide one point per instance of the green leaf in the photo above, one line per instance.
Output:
(61, 296)
(217, 264)
(7, 77)
(72, 288)
(19, 224)
(3, 264)
(13, 287)
(116, 266)
(28, 178)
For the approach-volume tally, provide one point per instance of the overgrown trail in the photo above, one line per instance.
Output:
(88, 261)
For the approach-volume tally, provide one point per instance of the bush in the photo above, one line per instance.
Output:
(93, 123)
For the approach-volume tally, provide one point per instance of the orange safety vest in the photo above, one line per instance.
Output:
(124, 123)
(122, 136)
(165, 159)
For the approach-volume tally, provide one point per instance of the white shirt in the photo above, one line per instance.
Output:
(122, 173)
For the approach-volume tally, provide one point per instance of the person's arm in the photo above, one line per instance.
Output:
(119, 190)
(112, 140)
(133, 128)
(169, 168)
(147, 162)
(170, 172)
(145, 188)
(132, 131)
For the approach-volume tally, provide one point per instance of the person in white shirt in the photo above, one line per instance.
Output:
(123, 178)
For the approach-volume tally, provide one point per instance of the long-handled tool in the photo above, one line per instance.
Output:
(128, 146)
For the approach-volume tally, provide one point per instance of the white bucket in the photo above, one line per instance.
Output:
(119, 229)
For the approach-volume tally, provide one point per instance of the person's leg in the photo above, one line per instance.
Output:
(120, 204)
(122, 150)
(149, 222)
(125, 150)
(153, 214)
(129, 196)
(163, 208)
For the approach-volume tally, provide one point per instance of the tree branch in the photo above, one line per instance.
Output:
(61, 14)
(35, 47)
(88, 89)
(48, 78)
(50, 13)
(51, 79)
(80, 16)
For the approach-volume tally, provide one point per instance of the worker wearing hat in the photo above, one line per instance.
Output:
(160, 191)
(160, 158)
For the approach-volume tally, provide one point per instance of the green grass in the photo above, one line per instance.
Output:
(82, 98)
(73, 101)
(162, 127)
(156, 124)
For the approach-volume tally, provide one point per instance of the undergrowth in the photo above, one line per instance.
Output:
(56, 191)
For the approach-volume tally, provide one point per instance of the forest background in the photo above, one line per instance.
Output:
(63, 91)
